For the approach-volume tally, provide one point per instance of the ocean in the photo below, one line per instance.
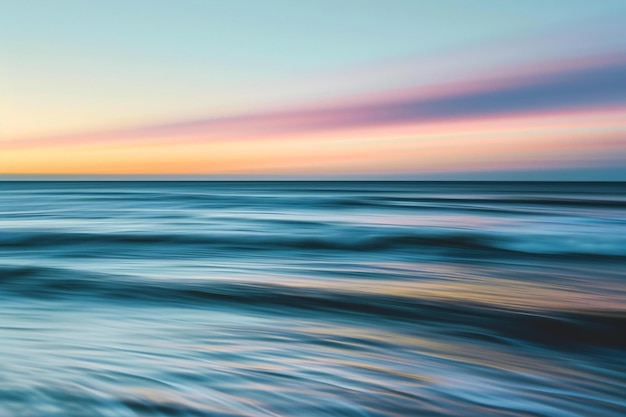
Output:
(125, 299)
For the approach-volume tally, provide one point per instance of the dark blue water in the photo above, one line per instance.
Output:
(312, 299)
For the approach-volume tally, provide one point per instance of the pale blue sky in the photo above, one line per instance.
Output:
(313, 87)
(73, 65)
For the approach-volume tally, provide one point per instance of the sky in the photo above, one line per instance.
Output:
(343, 89)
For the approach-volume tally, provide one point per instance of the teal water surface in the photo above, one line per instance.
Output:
(312, 299)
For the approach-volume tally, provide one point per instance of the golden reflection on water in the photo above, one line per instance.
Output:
(496, 292)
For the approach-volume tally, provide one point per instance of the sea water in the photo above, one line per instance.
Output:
(125, 299)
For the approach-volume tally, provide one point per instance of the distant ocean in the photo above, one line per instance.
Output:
(310, 299)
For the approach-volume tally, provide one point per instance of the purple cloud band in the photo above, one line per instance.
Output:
(596, 85)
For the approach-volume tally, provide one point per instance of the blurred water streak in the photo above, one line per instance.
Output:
(312, 299)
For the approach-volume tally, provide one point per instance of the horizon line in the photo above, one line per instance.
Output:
(28, 178)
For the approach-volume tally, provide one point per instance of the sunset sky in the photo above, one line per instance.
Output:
(396, 89)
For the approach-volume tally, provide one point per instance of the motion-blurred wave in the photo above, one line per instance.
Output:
(312, 298)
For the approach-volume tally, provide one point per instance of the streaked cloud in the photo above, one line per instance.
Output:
(563, 86)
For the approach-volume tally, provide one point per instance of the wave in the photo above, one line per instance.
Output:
(450, 243)
(491, 322)
(476, 203)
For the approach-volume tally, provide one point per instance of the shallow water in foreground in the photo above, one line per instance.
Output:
(312, 299)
